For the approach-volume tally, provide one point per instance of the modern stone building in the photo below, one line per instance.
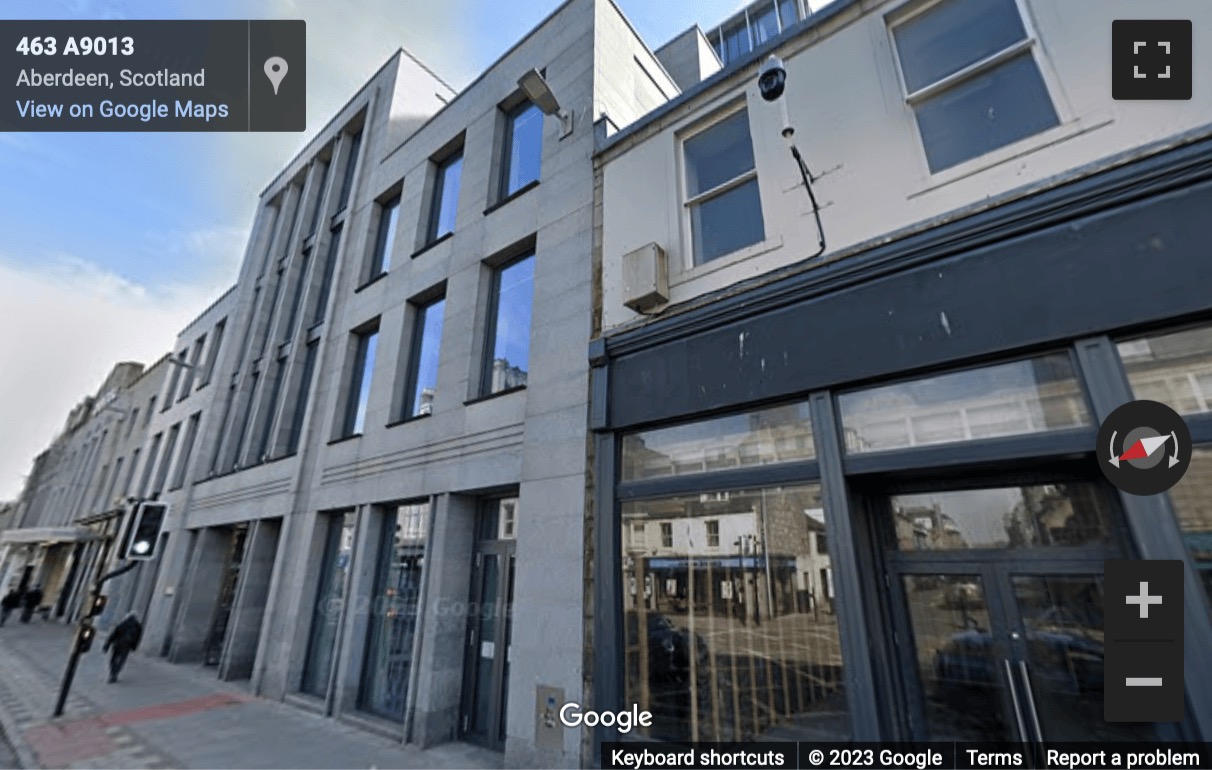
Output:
(1007, 255)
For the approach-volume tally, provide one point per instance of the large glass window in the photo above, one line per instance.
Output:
(971, 78)
(351, 165)
(423, 358)
(300, 271)
(320, 175)
(508, 347)
(1031, 396)
(1192, 500)
(393, 620)
(775, 435)
(357, 396)
(722, 189)
(523, 148)
(730, 625)
(300, 405)
(330, 600)
(389, 216)
(1174, 369)
(446, 196)
(330, 267)
(187, 450)
(1008, 517)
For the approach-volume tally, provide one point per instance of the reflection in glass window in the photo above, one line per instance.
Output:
(445, 196)
(330, 599)
(733, 642)
(358, 395)
(423, 362)
(1174, 369)
(1009, 517)
(393, 612)
(1192, 500)
(722, 189)
(1003, 101)
(389, 217)
(509, 335)
(1033, 396)
(775, 435)
(523, 148)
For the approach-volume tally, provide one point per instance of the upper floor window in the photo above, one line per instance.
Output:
(523, 148)
(351, 165)
(760, 22)
(357, 396)
(423, 358)
(389, 216)
(722, 189)
(320, 176)
(971, 78)
(508, 359)
(446, 196)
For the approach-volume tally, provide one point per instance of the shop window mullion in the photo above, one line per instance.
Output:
(1053, 444)
(721, 480)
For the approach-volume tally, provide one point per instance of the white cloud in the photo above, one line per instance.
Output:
(65, 324)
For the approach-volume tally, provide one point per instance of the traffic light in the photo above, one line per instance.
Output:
(145, 530)
(98, 605)
(84, 642)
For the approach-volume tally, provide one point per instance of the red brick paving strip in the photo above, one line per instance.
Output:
(170, 710)
(60, 744)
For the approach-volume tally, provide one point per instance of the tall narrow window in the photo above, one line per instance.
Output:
(393, 619)
(300, 407)
(174, 376)
(330, 596)
(212, 357)
(445, 196)
(722, 189)
(195, 361)
(169, 447)
(389, 215)
(260, 454)
(508, 349)
(279, 279)
(187, 450)
(297, 296)
(108, 500)
(351, 166)
(129, 486)
(971, 79)
(423, 358)
(523, 148)
(288, 236)
(318, 205)
(357, 396)
(242, 435)
(149, 463)
(330, 266)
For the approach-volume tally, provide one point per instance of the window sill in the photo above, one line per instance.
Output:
(343, 439)
(371, 282)
(405, 420)
(518, 193)
(1022, 148)
(431, 244)
(728, 260)
(490, 396)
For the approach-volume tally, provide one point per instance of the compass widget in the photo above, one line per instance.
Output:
(1144, 448)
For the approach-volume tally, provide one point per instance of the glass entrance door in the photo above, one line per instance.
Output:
(997, 604)
(486, 671)
(226, 600)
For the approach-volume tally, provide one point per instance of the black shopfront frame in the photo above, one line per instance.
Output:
(1074, 268)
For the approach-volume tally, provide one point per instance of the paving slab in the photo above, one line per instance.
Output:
(164, 715)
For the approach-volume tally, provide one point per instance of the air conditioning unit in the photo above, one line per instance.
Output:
(646, 278)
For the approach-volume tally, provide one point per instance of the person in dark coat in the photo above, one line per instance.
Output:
(122, 641)
(30, 603)
(10, 602)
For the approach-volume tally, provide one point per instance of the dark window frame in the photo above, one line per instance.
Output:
(490, 326)
(441, 167)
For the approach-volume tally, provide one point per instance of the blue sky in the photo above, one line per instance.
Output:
(112, 242)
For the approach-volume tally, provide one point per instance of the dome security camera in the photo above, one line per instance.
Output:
(772, 78)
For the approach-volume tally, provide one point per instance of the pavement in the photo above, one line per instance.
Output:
(164, 715)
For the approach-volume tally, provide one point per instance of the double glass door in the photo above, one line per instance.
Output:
(996, 601)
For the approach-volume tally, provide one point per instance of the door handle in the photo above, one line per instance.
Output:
(1030, 699)
(1018, 709)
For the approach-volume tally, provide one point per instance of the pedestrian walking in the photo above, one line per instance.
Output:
(30, 602)
(10, 602)
(121, 642)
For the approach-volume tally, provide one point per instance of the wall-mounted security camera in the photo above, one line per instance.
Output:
(772, 78)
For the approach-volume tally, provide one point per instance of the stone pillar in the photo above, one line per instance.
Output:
(443, 639)
(248, 614)
(200, 591)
